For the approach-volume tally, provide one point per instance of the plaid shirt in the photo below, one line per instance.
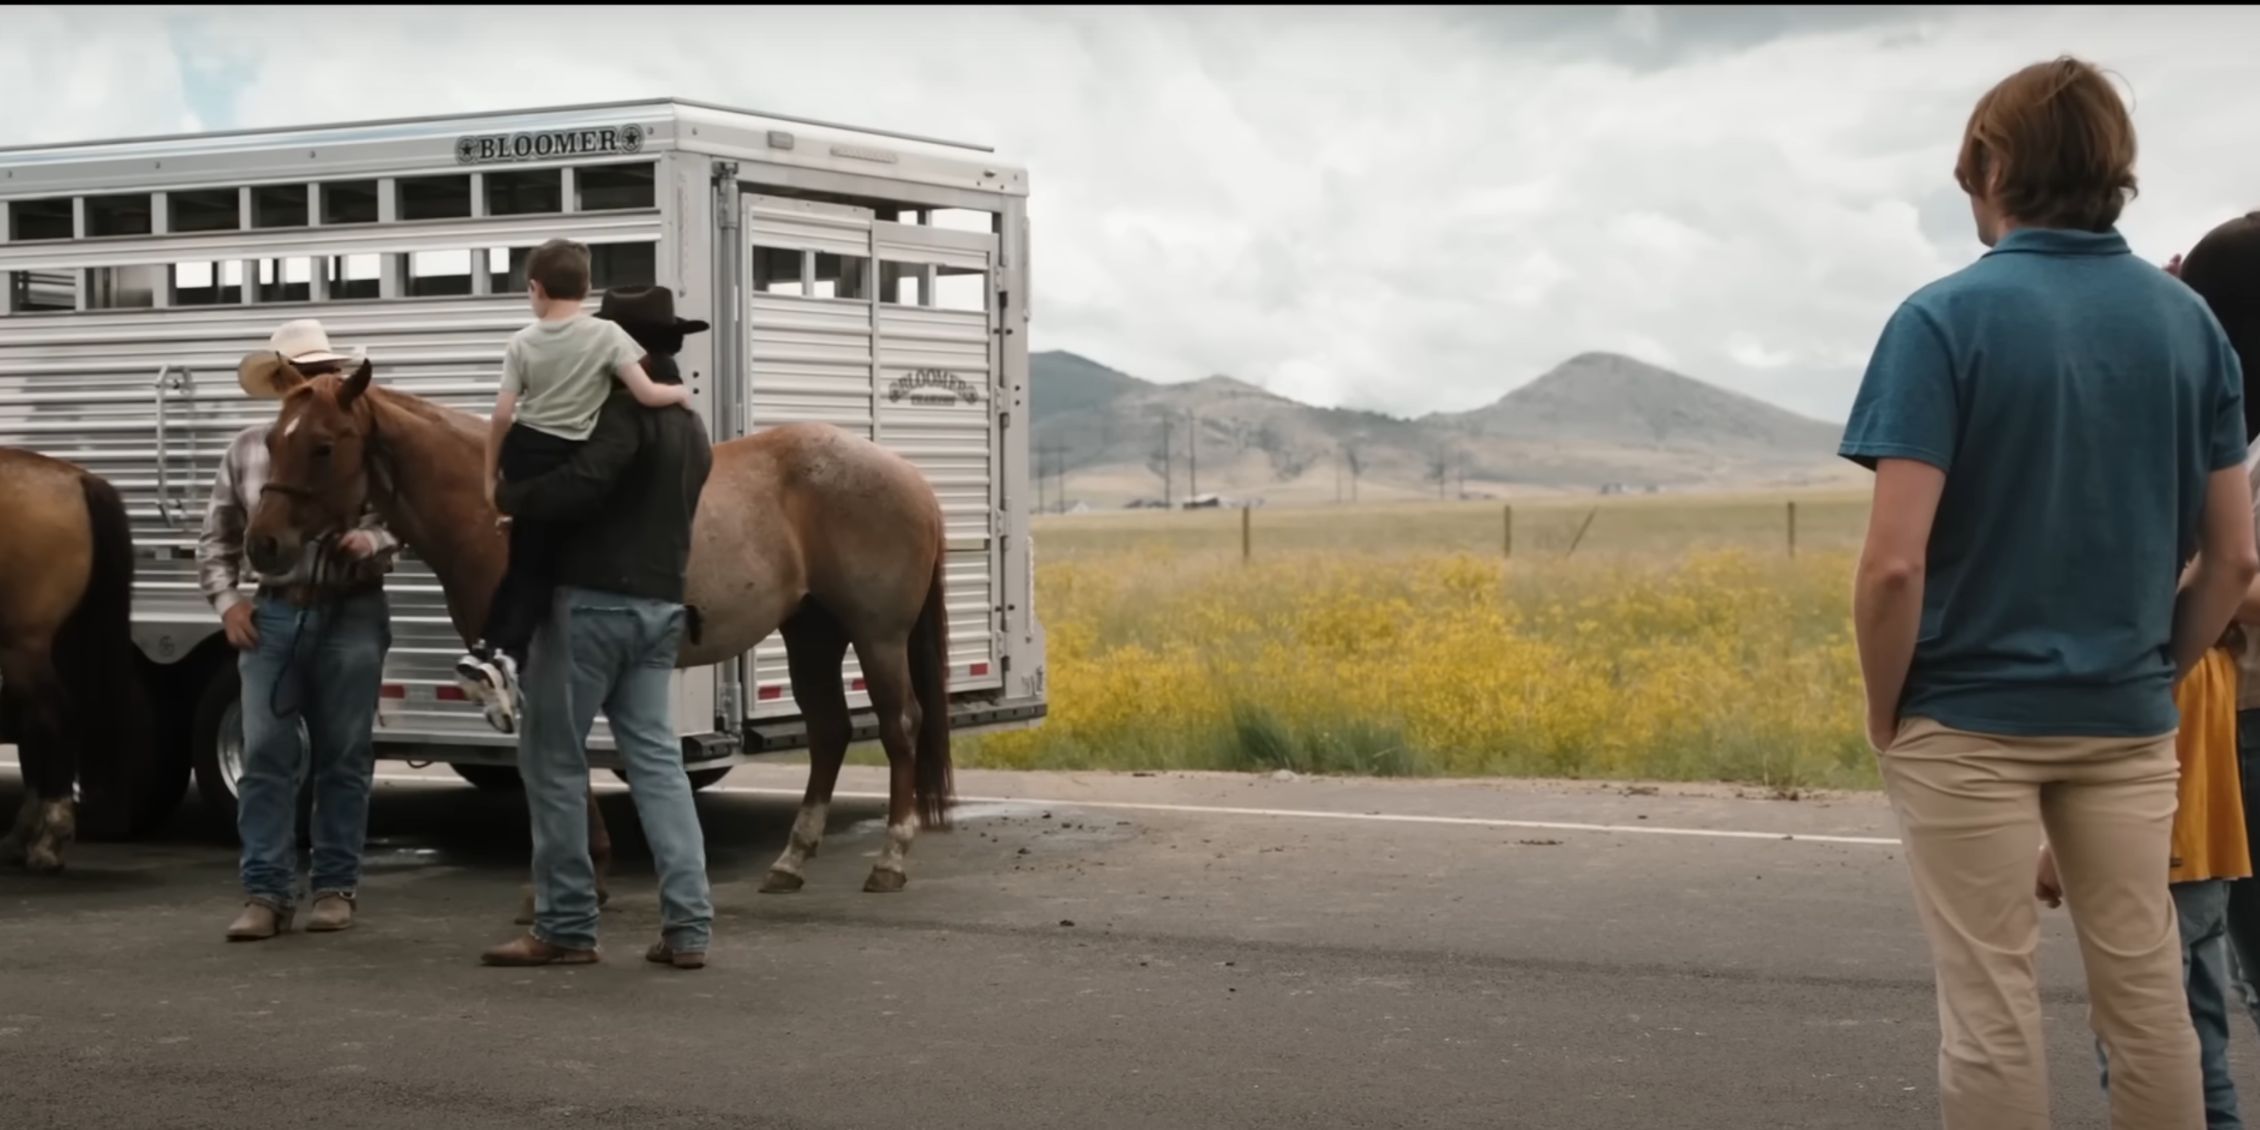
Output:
(221, 568)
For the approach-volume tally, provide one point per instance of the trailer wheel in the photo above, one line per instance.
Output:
(218, 744)
(490, 778)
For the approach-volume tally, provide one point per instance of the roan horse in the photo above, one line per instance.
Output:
(831, 539)
(69, 682)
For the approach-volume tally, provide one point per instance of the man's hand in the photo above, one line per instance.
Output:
(2174, 266)
(242, 632)
(2047, 886)
(1883, 728)
(358, 544)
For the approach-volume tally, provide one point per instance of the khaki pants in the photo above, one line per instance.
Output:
(1971, 808)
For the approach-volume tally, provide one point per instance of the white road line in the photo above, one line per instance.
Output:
(1290, 814)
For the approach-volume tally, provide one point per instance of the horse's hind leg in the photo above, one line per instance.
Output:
(814, 647)
(49, 821)
(886, 671)
(19, 835)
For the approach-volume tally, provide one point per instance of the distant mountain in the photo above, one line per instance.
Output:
(1595, 421)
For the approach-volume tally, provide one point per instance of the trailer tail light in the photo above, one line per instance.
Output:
(451, 694)
(770, 694)
(392, 690)
(977, 670)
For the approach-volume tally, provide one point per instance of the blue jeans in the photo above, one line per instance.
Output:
(321, 665)
(2203, 908)
(2244, 894)
(618, 653)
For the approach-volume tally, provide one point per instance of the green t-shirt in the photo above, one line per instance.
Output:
(2078, 399)
(562, 371)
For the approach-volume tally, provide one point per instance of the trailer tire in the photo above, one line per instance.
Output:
(217, 737)
(490, 778)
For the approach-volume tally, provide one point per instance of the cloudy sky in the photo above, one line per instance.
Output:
(1410, 209)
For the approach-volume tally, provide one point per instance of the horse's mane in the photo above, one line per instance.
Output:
(465, 424)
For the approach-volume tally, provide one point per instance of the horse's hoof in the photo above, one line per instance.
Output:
(781, 883)
(885, 882)
(43, 861)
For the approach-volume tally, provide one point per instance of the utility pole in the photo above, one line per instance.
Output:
(1168, 464)
(1193, 455)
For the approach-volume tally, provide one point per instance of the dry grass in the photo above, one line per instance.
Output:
(1679, 642)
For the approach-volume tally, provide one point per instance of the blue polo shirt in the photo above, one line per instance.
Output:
(2077, 399)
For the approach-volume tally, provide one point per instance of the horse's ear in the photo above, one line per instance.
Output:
(268, 376)
(355, 385)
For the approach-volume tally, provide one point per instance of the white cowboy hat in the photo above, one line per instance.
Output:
(302, 342)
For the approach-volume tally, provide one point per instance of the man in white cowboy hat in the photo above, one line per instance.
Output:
(312, 648)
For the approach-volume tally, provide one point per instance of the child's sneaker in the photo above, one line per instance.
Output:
(492, 679)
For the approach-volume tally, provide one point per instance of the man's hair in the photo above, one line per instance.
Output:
(561, 266)
(2052, 146)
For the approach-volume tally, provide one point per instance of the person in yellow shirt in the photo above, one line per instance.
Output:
(2210, 853)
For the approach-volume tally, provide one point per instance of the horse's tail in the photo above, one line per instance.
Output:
(929, 680)
(108, 707)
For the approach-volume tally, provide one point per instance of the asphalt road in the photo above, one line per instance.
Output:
(1168, 952)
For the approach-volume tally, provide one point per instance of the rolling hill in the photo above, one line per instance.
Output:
(1597, 421)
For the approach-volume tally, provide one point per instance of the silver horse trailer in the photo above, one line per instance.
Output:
(870, 280)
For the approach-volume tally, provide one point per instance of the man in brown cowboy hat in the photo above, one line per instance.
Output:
(615, 625)
(312, 648)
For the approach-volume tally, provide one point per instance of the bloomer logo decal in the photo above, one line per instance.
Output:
(484, 149)
(932, 388)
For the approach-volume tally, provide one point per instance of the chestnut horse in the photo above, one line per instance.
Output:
(68, 677)
(806, 529)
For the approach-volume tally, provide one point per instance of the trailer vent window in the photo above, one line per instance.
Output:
(355, 276)
(507, 268)
(438, 274)
(841, 276)
(962, 219)
(435, 198)
(123, 288)
(613, 265)
(612, 188)
(526, 192)
(906, 284)
(118, 215)
(349, 202)
(208, 284)
(40, 292)
(777, 270)
(39, 219)
(957, 288)
(278, 206)
(205, 209)
(286, 280)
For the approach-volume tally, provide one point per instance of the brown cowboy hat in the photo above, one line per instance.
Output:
(646, 308)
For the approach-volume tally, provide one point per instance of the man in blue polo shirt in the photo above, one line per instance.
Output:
(2057, 432)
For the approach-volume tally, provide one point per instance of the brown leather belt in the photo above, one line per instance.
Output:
(306, 596)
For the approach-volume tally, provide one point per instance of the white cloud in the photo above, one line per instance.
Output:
(1406, 209)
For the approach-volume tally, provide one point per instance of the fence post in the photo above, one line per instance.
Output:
(1510, 530)
(1580, 537)
(1247, 533)
(1793, 528)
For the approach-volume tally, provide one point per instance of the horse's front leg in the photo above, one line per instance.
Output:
(600, 857)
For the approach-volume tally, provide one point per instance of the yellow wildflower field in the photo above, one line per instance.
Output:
(1662, 658)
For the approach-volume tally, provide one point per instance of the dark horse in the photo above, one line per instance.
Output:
(69, 681)
(831, 539)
